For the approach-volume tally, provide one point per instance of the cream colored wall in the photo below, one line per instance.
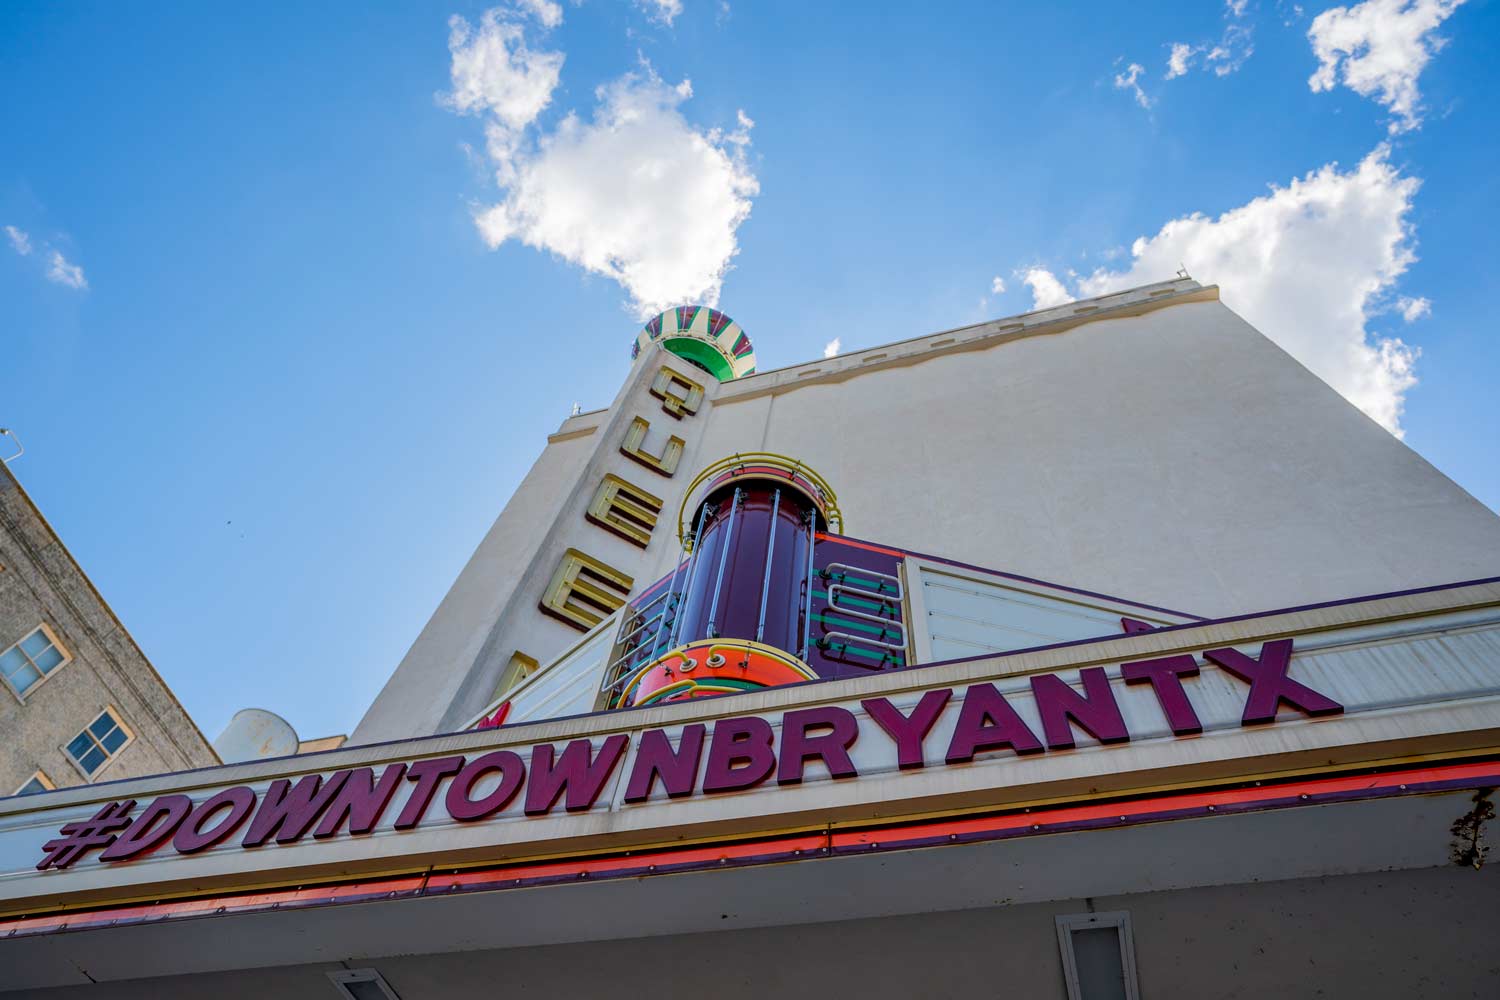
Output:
(1149, 444)
(1178, 458)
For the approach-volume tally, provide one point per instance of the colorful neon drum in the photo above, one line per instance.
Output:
(711, 667)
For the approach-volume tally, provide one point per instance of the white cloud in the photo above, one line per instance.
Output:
(59, 269)
(1127, 81)
(1378, 49)
(1046, 290)
(19, 240)
(1235, 45)
(547, 13)
(664, 11)
(1412, 310)
(1180, 60)
(1308, 265)
(493, 70)
(831, 349)
(64, 273)
(637, 193)
(997, 287)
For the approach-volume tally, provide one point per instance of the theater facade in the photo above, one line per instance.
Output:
(1098, 652)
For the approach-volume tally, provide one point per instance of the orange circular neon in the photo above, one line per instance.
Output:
(713, 666)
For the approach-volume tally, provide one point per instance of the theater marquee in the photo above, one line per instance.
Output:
(742, 752)
(1211, 702)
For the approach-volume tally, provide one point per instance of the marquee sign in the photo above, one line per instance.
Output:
(735, 754)
(1376, 681)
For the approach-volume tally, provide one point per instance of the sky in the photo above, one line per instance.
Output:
(291, 294)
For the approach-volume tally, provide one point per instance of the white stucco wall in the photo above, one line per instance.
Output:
(1178, 458)
(1151, 445)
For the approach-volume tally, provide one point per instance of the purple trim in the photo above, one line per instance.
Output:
(1204, 621)
(1027, 579)
(1164, 815)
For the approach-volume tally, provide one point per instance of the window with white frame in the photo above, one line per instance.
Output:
(29, 661)
(99, 744)
(1098, 956)
(38, 782)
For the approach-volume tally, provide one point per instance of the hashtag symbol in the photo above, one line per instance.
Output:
(79, 838)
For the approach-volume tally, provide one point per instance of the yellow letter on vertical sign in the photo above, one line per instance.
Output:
(635, 437)
(624, 509)
(679, 395)
(585, 591)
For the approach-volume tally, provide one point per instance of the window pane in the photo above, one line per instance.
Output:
(113, 739)
(81, 745)
(48, 659)
(102, 725)
(1096, 953)
(24, 678)
(11, 661)
(95, 758)
(32, 787)
(35, 642)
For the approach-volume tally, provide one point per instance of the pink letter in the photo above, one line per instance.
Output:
(987, 722)
(427, 774)
(191, 838)
(288, 810)
(1164, 675)
(678, 769)
(361, 800)
(1057, 702)
(574, 773)
(1269, 684)
(831, 747)
(512, 772)
(150, 830)
(908, 731)
(740, 755)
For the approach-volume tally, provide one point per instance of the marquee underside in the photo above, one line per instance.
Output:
(1353, 825)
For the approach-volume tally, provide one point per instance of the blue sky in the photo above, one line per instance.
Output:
(291, 295)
